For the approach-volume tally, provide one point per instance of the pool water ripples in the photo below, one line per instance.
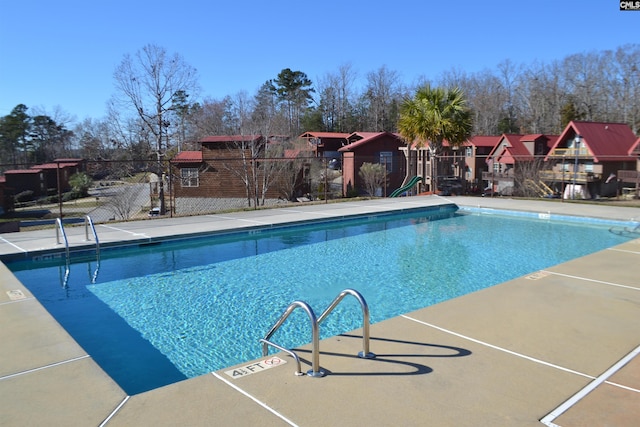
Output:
(203, 308)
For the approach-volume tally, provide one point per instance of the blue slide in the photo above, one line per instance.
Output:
(413, 181)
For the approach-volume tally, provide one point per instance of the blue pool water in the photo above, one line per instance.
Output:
(159, 314)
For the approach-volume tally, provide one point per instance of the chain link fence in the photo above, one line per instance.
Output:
(109, 191)
(136, 190)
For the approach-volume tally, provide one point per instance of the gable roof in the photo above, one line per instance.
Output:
(356, 136)
(604, 141)
(291, 153)
(552, 140)
(635, 148)
(60, 165)
(32, 171)
(188, 157)
(516, 153)
(483, 140)
(366, 138)
(504, 140)
(324, 135)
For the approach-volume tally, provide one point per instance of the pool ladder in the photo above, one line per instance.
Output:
(60, 232)
(315, 370)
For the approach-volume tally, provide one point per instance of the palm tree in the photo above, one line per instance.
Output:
(434, 115)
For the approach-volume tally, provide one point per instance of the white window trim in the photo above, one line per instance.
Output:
(189, 177)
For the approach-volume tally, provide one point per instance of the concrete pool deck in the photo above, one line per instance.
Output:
(559, 345)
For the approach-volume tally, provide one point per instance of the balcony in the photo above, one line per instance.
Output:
(494, 176)
(629, 176)
(570, 152)
(569, 176)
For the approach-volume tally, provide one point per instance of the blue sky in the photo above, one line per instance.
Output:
(63, 53)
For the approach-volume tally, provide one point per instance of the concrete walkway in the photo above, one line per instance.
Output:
(558, 345)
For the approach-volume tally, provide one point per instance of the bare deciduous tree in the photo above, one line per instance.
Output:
(337, 99)
(148, 82)
(382, 96)
(372, 175)
(122, 203)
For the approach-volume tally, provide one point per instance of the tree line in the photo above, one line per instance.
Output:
(157, 111)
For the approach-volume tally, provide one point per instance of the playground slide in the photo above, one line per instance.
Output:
(413, 181)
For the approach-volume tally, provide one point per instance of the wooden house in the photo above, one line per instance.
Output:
(373, 147)
(514, 163)
(587, 157)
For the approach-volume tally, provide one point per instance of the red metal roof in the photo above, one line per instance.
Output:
(291, 154)
(367, 138)
(531, 137)
(360, 135)
(55, 165)
(552, 140)
(605, 141)
(23, 171)
(510, 140)
(188, 157)
(635, 148)
(514, 150)
(324, 135)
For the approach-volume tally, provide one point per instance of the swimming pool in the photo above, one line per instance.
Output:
(158, 314)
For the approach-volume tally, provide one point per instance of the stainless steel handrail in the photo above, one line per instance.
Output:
(60, 231)
(315, 331)
(286, 350)
(365, 353)
(315, 336)
(88, 223)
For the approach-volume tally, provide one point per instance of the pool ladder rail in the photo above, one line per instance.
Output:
(315, 370)
(60, 232)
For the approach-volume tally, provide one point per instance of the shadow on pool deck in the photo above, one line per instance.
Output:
(511, 354)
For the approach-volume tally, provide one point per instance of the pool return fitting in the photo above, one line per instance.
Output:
(315, 370)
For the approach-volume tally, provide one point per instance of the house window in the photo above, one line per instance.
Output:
(386, 158)
(189, 177)
(469, 152)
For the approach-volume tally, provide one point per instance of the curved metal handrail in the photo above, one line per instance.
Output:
(59, 231)
(365, 353)
(88, 223)
(315, 336)
(286, 350)
(315, 331)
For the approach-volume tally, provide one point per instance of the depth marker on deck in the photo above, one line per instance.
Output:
(254, 368)
(537, 275)
(16, 294)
